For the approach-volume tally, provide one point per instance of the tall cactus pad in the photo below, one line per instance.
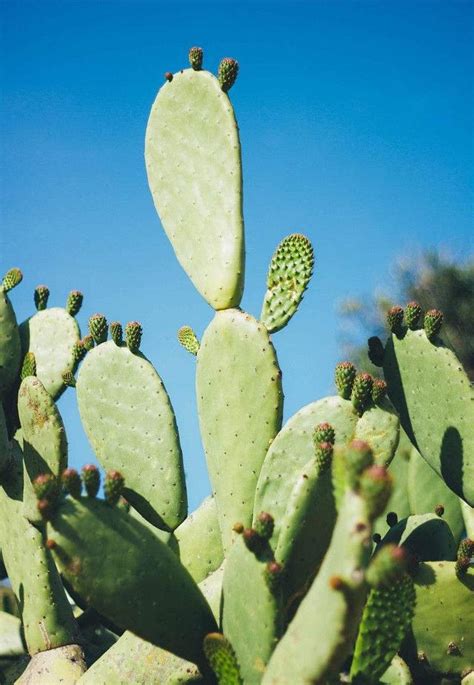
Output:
(46, 615)
(239, 397)
(44, 439)
(443, 625)
(290, 271)
(194, 171)
(159, 601)
(10, 347)
(199, 541)
(51, 335)
(435, 400)
(129, 420)
(319, 637)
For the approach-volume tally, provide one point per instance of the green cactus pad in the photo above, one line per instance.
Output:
(51, 335)
(221, 658)
(46, 615)
(199, 541)
(187, 338)
(398, 469)
(128, 418)
(54, 667)
(426, 536)
(5, 448)
(194, 171)
(380, 427)
(320, 635)
(426, 490)
(239, 397)
(288, 277)
(159, 600)
(248, 601)
(10, 347)
(44, 439)
(435, 401)
(443, 625)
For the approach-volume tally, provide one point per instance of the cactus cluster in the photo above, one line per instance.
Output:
(334, 548)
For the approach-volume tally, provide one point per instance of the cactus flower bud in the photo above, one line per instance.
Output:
(323, 455)
(46, 509)
(395, 319)
(195, 58)
(11, 279)
(168, 76)
(116, 332)
(389, 564)
(464, 556)
(72, 483)
(439, 510)
(91, 479)
(133, 336)
(113, 487)
(324, 432)
(79, 352)
(238, 528)
(74, 302)
(264, 525)
(227, 73)
(252, 540)
(379, 390)
(69, 380)
(41, 296)
(45, 486)
(344, 376)
(432, 323)
(361, 396)
(412, 315)
(88, 342)
(98, 328)
(375, 485)
(273, 573)
(358, 457)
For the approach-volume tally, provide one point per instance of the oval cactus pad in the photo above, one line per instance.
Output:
(193, 163)
(130, 423)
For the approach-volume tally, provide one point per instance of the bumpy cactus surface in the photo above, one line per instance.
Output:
(335, 548)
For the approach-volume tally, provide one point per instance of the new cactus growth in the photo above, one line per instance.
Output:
(195, 58)
(227, 73)
(187, 338)
(98, 328)
(41, 297)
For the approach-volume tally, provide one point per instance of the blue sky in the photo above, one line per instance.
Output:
(356, 123)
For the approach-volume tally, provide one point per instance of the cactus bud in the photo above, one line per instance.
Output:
(69, 380)
(41, 296)
(74, 302)
(78, 352)
(133, 336)
(432, 323)
(72, 483)
(392, 519)
(337, 583)
(188, 339)
(29, 366)
(412, 315)
(113, 487)
(389, 564)
(264, 525)
(361, 396)
(344, 376)
(51, 544)
(252, 539)
(273, 573)
(323, 455)
(439, 510)
(358, 457)
(464, 556)
(98, 328)
(168, 76)
(88, 342)
(376, 537)
(91, 479)
(221, 658)
(238, 528)
(376, 350)
(47, 509)
(375, 484)
(116, 332)
(379, 390)
(227, 73)
(45, 486)
(324, 432)
(395, 319)
(11, 279)
(195, 58)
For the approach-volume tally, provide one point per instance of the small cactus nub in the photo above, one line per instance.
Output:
(72, 483)
(358, 457)
(133, 336)
(28, 367)
(74, 302)
(273, 573)
(264, 525)
(195, 58)
(464, 556)
(395, 319)
(227, 73)
(47, 509)
(11, 279)
(323, 455)
(41, 296)
(376, 350)
(252, 539)
(88, 342)
(116, 332)
(238, 528)
(412, 315)
(379, 390)
(79, 351)
(91, 479)
(389, 564)
(69, 380)
(376, 537)
(45, 487)
(344, 376)
(439, 510)
(361, 396)
(98, 328)
(168, 76)
(187, 338)
(392, 519)
(432, 323)
(375, 485)
(324, 432)
(113, 487)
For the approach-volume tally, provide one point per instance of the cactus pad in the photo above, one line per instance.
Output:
(10, 347)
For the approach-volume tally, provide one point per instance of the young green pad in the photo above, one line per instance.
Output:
(10, 347)
(51, 334)
(426, 491)
(192, 155)
(239, 397)
(443, 625)
(130, 423)
(160, 602)
(426, 536)
(288, 277)
(435, 400)
(46, 615)
(320, 635)
(44, 439)
(292, 449)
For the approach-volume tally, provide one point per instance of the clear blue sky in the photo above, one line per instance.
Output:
(356, 123)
